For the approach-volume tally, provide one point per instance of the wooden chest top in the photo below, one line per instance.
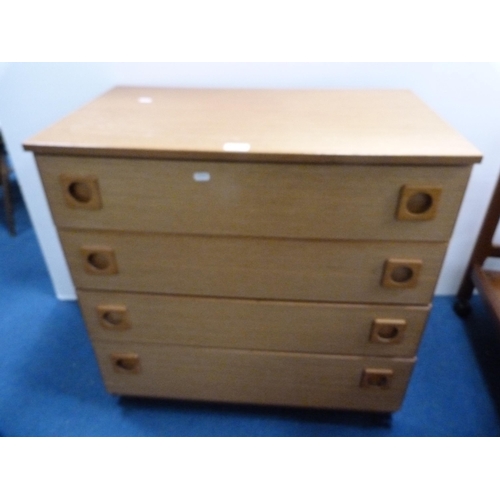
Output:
(316, 126)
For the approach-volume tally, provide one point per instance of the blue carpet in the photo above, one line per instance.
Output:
(50, 384)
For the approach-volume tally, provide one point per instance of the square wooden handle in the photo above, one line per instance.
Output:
(377, 378)
(401, 273)
(418, 203)
(126, 362)
(81, 191)
(99, 260)
(113, 317)
(387, 331)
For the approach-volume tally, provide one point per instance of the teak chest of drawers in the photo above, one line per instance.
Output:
(255, 246)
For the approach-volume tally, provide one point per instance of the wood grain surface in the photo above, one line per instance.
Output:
(257, 377)
(262, 268)
(255, 246)
(356, 126)
(251, 324)
(297, 201)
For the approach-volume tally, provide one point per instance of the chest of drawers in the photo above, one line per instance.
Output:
(255, 246)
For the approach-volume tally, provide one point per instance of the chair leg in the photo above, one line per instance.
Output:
(9, 212)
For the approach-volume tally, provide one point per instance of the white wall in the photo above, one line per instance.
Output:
(467, 96)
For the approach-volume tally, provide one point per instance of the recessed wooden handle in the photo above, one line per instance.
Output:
(81, 191)
(126, 362)
(113, 317)
(418, 202)
(378, 378)
(99, 260)
(401, 273)
(387, 331)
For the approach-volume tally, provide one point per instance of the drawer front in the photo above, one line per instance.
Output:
(254, 324)
(254, 268)
(373, 384)
(245, 199)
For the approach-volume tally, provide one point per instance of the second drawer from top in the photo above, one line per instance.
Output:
(262, 268)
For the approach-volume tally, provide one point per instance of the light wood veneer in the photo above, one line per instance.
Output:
(255, 246)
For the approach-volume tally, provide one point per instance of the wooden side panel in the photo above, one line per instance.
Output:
(252, 324)
(333, 271)
(245, 199)
(252, 376)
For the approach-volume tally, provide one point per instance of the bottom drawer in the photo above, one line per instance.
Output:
(256, 377)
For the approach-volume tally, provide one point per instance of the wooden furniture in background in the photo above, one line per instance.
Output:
(486, 281)
(255, 246)
(7, 195)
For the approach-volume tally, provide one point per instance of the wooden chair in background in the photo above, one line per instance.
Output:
(486, 281)
(5, 184)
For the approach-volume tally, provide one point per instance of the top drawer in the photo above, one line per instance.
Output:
(254, 199)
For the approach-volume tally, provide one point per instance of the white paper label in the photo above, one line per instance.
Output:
(145, 100)
(201, 176)
(239, 147)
